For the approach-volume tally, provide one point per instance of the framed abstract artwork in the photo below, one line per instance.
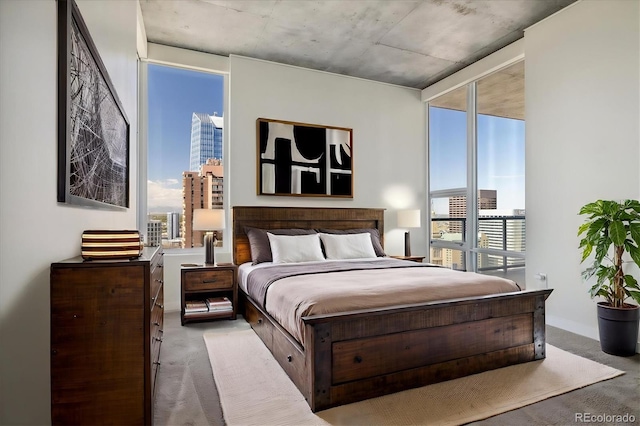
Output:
(300, 159)
(93, 130)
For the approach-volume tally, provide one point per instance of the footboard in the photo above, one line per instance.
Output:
(363, 354)
(360, 355)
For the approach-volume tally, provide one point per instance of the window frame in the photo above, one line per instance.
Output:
(192, 61)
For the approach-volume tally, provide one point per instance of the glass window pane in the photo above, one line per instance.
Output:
(448, 140)
(501, 169)
(448, 222)
(501, 162)
(184, 163)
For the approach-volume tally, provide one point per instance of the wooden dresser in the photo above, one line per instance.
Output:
(106, 333)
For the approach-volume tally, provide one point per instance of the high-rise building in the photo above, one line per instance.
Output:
(154, 233)
(206, 139)
(487, 199)
(503, 230)
(173, 225)
(201, 190)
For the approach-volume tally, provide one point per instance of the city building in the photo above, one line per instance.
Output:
(503, 230)
(154, 233)
(201, 190)
(451, 258)
(206, 139)
(173, 225)
(487, 199)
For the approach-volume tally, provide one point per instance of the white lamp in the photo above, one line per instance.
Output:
(208, 220)
(408, 219)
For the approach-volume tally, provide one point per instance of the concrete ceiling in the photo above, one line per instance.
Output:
(403, 42)
(500, 94)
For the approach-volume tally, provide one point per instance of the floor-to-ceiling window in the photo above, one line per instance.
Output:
(185, 167)
(476, 152)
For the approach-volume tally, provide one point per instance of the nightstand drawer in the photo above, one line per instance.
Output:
(206, 280)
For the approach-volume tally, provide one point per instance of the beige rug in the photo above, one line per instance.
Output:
(254, 390)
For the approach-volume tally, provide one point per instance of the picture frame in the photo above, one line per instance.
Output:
(93, 129)
(304, 160)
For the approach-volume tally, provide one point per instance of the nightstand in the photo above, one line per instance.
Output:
(197, 284)
(417, 259)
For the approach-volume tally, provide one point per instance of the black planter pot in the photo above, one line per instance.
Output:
(618, 329)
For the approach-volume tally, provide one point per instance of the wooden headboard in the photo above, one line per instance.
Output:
(299, 217)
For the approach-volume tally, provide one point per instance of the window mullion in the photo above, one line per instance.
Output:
(472, 178)
(142, 147)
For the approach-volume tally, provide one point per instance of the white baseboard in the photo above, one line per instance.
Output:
(577, 328)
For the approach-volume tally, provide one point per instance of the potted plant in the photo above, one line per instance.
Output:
(611, 230)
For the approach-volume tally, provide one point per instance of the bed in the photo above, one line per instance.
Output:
(353, 355)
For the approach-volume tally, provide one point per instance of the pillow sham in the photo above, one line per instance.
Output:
(375, 237)
(259, 242)
(295, 248)
(348, 246)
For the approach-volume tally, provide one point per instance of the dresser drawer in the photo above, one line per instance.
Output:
(157, 320)
(207, 280)
(155, 366)
(157, 279)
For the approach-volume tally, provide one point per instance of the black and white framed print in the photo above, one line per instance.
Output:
(93, 130)
(301, 159)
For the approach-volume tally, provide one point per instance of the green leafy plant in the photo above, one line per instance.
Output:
(616, 225)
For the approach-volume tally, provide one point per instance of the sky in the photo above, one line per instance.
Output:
(500, 155)
(174, 95)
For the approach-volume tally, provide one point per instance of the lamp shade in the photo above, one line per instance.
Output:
(208, 219)
(409, 218)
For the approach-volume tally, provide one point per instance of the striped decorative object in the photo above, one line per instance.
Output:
(101, 244)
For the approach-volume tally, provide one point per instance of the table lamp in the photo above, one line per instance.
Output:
(408, 219)
(208, 220)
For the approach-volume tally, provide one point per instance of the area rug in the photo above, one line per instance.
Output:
(254, 390)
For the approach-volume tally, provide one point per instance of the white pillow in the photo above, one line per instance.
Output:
(295, 248)
(348, 246)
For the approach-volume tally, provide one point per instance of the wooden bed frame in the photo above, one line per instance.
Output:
(362, 354)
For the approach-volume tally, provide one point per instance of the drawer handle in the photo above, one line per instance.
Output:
(157, 324)
(357, 359)
(158, 339)
(161, 331)
(160, 281)
(160, 306)
(289, 358)
(259, 320)
(157, 363)
(209, 281)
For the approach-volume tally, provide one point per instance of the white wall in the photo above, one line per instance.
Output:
(582, 111)
(34, 229)
(388, 125)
